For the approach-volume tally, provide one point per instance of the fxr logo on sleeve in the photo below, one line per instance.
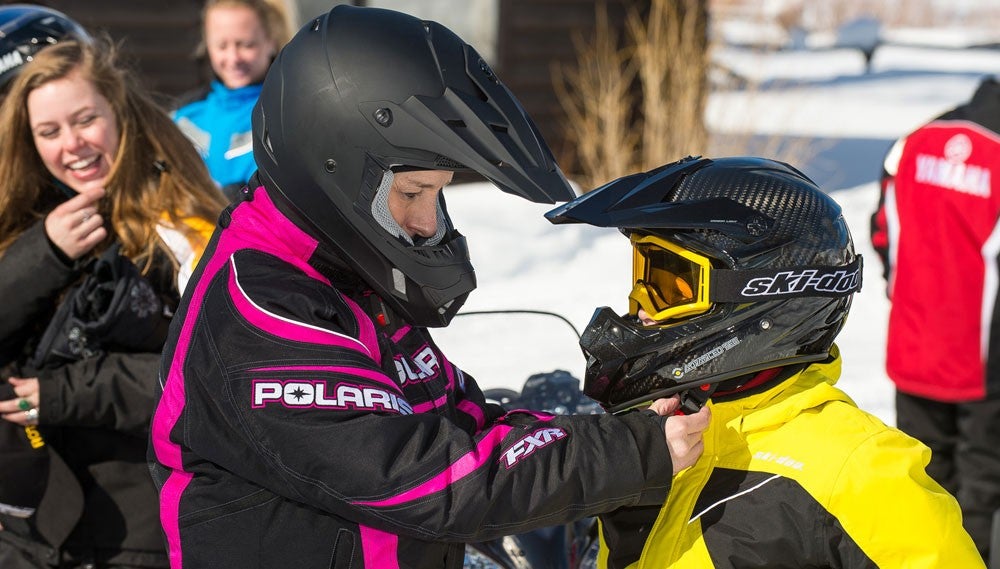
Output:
(529, 444)
(313, 393)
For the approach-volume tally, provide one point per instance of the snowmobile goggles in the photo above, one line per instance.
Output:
(672, 282)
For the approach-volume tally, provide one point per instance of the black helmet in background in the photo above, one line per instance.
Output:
(25, 29)
(748, 264)
(359, 91)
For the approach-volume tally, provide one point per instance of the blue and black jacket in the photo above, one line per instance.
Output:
(218, 123)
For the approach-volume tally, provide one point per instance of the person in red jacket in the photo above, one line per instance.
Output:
(937, 231)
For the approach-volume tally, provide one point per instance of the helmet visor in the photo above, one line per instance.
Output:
(670, 281)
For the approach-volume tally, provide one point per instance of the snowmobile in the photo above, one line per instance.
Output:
(571, 546)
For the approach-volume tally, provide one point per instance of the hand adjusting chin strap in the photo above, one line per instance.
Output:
(692, 400)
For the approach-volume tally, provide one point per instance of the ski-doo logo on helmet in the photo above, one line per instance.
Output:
(530, 443)
(803, 282)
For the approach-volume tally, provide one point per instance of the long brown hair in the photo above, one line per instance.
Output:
(157, 172)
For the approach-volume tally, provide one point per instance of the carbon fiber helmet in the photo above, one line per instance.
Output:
(778, 274)
(361, 90)
(25, 29)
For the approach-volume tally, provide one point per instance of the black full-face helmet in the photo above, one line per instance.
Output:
(744, 264)
(359, 92)
(25, 29)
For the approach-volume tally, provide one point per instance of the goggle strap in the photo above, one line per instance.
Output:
(755, 285)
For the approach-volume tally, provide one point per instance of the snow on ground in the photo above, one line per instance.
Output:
(829, 94)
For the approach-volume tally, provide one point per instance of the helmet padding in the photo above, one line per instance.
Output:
(382, 214)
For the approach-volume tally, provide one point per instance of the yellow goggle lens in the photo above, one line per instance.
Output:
(669, 281)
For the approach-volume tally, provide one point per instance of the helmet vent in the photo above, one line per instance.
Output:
(448, 163)
(482, 95)
(498, 127)
(455, 123)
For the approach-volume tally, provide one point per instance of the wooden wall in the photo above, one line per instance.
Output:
(157, 38)
(534, 36)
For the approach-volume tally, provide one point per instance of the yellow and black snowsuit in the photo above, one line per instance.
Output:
(797, 476)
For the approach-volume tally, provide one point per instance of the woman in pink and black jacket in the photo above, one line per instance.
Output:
(307, 417)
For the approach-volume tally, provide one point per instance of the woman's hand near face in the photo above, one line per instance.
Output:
(74, 226)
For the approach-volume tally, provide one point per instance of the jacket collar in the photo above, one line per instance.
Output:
(236, 96)
(808, 389)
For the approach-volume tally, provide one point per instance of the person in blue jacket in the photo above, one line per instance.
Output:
(241, 39)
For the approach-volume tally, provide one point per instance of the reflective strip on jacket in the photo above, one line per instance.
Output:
(798, 476)
(219, 126)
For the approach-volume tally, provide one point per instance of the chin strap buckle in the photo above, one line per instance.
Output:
(693, 400)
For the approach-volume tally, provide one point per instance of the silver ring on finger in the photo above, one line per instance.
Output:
(32, 415)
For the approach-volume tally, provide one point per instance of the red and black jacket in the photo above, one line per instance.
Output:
(936, 230)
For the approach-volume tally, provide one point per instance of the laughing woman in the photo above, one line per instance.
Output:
(106, 209)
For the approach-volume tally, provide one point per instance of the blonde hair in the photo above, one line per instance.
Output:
(157, 174)
(271, 14)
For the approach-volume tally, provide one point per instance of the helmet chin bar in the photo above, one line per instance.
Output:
(693, 397)
(612, 342)
(695, 394)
